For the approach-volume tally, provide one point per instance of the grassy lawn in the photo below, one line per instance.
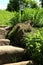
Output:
(5, 16)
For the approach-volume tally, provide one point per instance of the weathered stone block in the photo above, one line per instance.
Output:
(8, 54)
(2, 33)
(21, 63)
(4, 42)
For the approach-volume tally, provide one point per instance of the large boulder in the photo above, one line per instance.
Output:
(16, 35)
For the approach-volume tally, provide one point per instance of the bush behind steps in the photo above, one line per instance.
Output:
(32, 41)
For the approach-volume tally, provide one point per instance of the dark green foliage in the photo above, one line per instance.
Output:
(21, 4)
(36, 16)
(31, 41)
(34, 45)
(33, 4)
(28, 14)
(13, 5)
(16, 19)
(41, 2)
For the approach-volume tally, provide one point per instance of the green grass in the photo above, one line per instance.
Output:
(12, 18)
(5, 16)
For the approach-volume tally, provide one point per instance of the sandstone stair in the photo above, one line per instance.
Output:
(8, 53)
(4, 42)
(21, 63)
(2, 33)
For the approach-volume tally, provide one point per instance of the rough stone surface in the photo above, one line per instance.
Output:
(4, 42)
(2, 33)
(8, 54)
(21, 63)
(8, 29)
(10, 50)
(24, 27)
(3, 26)
(16, 35)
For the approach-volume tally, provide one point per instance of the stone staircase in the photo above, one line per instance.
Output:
(3, 41)
(8, 53)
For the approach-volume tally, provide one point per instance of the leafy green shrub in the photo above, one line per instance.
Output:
(41, 31)
(34, 44)
(35, 15)
(16, 19)
(32, 41)
(28, 14)
(38, 18)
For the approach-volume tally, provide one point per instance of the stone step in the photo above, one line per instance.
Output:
(10, 50)
(2, 33)
(4, 42)
(8, 29)
(8, 54)
(21, 63)
(3, 26)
